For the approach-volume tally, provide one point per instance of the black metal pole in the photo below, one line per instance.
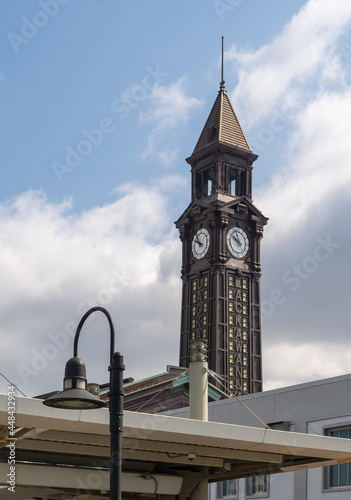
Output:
(80, 326)
(116, 398)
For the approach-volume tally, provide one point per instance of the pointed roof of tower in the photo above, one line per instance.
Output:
(222, 125)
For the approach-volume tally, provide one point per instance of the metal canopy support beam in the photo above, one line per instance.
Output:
(66, 448)
(202, 451)
(92, 479)
(87, 445)
(173, 458)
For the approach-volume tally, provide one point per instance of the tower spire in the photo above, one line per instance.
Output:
(222, 84)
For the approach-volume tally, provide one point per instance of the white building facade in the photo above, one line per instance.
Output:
(322, 407)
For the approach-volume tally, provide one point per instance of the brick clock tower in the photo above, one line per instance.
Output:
(221, 231)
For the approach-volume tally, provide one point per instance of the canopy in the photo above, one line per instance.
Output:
(66, 452)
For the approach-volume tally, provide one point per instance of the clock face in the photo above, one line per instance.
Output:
(201, 243)
(238, 242)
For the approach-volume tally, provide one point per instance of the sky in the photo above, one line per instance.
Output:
(101, 102)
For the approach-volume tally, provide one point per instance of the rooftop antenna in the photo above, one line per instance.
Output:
(221, 85)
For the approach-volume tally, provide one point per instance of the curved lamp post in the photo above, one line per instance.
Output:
(75, 396)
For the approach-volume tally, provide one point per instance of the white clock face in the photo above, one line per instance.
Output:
(238, 242)
(201, 243)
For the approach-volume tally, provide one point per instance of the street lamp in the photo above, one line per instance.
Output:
(75, 396)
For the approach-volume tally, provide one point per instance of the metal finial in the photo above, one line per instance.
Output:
(222, 84)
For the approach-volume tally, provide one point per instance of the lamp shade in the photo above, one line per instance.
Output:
(75, 395)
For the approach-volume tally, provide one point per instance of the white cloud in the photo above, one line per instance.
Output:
(300, 72)
(294, 91)
(318, 166)
(306, 249)
(55, 265)
(271, 77)
(288, 364)
(170, 108)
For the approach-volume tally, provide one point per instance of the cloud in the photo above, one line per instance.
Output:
(170, 108)
(293, 95)
(289, 364)
(317, 168)
(272, 76)
(55, 265)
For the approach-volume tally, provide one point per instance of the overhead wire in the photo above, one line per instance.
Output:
(216, 377)
(161, 390)
(14, 385)
(219, 378)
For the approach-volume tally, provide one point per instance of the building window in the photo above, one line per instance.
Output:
(257, 487)
(228, 489)
(338, 476)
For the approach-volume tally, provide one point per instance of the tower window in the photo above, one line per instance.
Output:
(231, 177)
(203, 184)
(231, 187)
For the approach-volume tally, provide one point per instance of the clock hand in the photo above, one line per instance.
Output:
(198, 242)
(237, 241)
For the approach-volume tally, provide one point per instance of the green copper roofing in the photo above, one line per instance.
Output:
(213, 391)
(180, 381)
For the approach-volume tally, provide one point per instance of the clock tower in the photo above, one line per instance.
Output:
(221, 231)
